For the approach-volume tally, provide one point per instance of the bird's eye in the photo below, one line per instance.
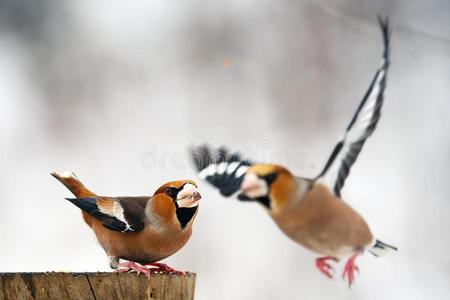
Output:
(168, 191)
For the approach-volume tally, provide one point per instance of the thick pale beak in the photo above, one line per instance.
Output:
(252, 186)
(188, 196)
(249, 183)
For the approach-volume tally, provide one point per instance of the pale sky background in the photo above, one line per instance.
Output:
(117, 90)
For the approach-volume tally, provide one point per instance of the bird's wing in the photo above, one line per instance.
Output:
(361, 126)
(220, 168)
(125, 214)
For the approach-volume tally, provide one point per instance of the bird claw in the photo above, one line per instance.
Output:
(325, 268)
(132, 266)
(160, 267)
(146, 269)
(349, 269)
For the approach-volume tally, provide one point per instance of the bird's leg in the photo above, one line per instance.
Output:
(350, 268)
(113, 262)
(132, 266)
(160, 267)
(324, 267)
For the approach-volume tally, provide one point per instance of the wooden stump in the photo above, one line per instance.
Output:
(96, 286)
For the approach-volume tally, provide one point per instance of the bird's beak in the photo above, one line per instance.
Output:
(253, 187)
(249, 183)
(188, 196)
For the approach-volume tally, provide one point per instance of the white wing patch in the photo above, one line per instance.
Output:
(116, 212)
(241, 171)
(360, 128)
(232, 167)
(119, 214)
(209, 171)
(220, 168)
(223, 168)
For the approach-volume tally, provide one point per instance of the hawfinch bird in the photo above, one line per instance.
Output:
(140, 230)
(309, 211)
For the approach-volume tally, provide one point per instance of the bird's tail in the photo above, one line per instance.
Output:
(71, 181)
(381, 249)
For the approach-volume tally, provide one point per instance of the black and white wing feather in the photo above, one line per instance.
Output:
(223, 170)
(125, 214)
(361, 126)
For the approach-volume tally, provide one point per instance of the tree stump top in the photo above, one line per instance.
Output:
(61, 285)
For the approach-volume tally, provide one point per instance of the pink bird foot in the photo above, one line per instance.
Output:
(325, 268)
(350, 268)
(160, 267)
(130, 266)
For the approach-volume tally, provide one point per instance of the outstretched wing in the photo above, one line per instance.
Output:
(125, 214)
(361, 126)
(220, 168)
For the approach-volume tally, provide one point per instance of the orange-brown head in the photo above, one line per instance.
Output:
(176, 199)
(271, 185)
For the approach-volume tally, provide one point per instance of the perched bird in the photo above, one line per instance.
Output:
(141, 230)
(309, 211)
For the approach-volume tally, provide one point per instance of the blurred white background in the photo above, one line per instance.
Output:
(116, 92)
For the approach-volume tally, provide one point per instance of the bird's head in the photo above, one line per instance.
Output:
(270, 185)
(179, 197)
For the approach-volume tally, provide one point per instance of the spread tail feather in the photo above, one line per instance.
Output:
(381, 249)
(71, 181)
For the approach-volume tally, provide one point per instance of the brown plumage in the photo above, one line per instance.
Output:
(309, 211)
(311, 215)
(138, 229)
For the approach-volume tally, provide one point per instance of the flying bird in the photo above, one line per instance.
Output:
(310, 211)
(141, 230)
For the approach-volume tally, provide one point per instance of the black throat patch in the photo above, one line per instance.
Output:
(263, 200)
(185, 214)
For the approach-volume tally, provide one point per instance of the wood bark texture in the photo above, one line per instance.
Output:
(96, 286)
